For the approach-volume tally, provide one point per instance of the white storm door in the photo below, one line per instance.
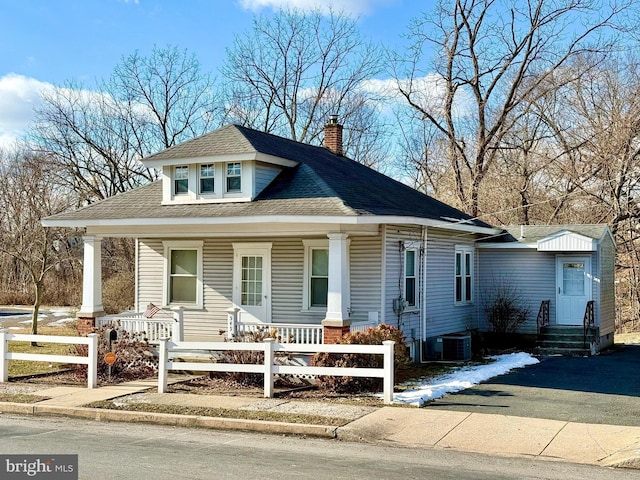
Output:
(252, 281)
(573, 289)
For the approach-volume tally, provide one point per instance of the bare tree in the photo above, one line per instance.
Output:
(491, 57)
(294, 69)
(597, 122)
(28, 195)
(93, 141)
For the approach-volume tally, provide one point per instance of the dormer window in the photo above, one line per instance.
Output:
(234, 177)
(181, 180)
(207, 176)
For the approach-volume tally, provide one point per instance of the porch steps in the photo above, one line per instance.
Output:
(564, 340)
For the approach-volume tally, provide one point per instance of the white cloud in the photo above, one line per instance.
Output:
(427, 91)
(19, 95)
(351, 7)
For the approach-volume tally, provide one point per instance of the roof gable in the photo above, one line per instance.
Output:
(567, 241)
(574, 237)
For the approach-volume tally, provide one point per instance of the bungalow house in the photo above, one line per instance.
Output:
(244, 227)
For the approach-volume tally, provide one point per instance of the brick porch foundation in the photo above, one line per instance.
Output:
(334, 334)
(86, 325)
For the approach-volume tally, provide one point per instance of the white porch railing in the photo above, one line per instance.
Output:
(284, 332)
(91, 360)
(169, 349)
(164, 324)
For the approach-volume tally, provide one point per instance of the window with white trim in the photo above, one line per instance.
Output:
(316, 273)
(234, 177)
(463, 274)
(207, 177)
(411, 276)
(183, 273)
(181, 180)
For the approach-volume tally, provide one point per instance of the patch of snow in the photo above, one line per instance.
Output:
(463, 378)
(60, 322)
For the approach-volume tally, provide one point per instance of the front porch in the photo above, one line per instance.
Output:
(225, 304)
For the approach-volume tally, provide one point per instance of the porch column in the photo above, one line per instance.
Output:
(336, 322)
(91, 284)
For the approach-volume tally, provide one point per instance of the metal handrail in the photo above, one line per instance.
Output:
(589, 320)
(543, 315)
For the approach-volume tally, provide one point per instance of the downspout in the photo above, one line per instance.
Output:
(383, 273)
(423, 293)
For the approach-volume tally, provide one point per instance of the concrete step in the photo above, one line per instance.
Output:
(561, 343)
(569, 352)
(565, 340)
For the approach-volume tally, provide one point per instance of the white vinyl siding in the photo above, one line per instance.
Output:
(200, 324)
(443, 316)
(606, 286)
(531, 271)
(395, 238)
(149, 274)
(365, 254)
(264, 174)
(287, 257)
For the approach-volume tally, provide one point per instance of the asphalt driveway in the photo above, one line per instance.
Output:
(604, 389)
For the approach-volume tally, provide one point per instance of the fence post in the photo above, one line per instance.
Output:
(163, 355)
(177, 330)
(268, 367)
(232, 322)
(4, 363)
(92, 366)
(388, 372)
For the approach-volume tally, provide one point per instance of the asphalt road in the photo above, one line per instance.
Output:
(116, 451)
(603, 389)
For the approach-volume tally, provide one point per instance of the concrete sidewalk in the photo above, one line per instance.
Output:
(605, 445)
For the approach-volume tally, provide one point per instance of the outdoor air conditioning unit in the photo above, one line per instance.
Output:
(454, 347)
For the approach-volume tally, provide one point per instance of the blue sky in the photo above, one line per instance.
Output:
(51, 41)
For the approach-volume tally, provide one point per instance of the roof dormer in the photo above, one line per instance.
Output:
(209, 181)
(221, 166)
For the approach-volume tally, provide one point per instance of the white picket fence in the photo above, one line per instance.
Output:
(91, 360)
(169, 349)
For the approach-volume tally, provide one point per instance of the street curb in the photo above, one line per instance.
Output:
(220, 423)
(629, 459)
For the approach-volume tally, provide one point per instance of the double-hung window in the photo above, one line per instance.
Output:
(181, 180)
(207, 173)
(316, 273)
(410, 276)
(183, 273)
(234, 177)
(464, 274)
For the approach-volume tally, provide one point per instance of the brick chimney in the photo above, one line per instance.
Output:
(333, 135)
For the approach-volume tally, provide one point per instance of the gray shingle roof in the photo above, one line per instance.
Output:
(322, 184)
(228, 139)
(534, 233)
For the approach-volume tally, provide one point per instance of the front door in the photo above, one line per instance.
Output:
(573, 288)
(252, 281)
